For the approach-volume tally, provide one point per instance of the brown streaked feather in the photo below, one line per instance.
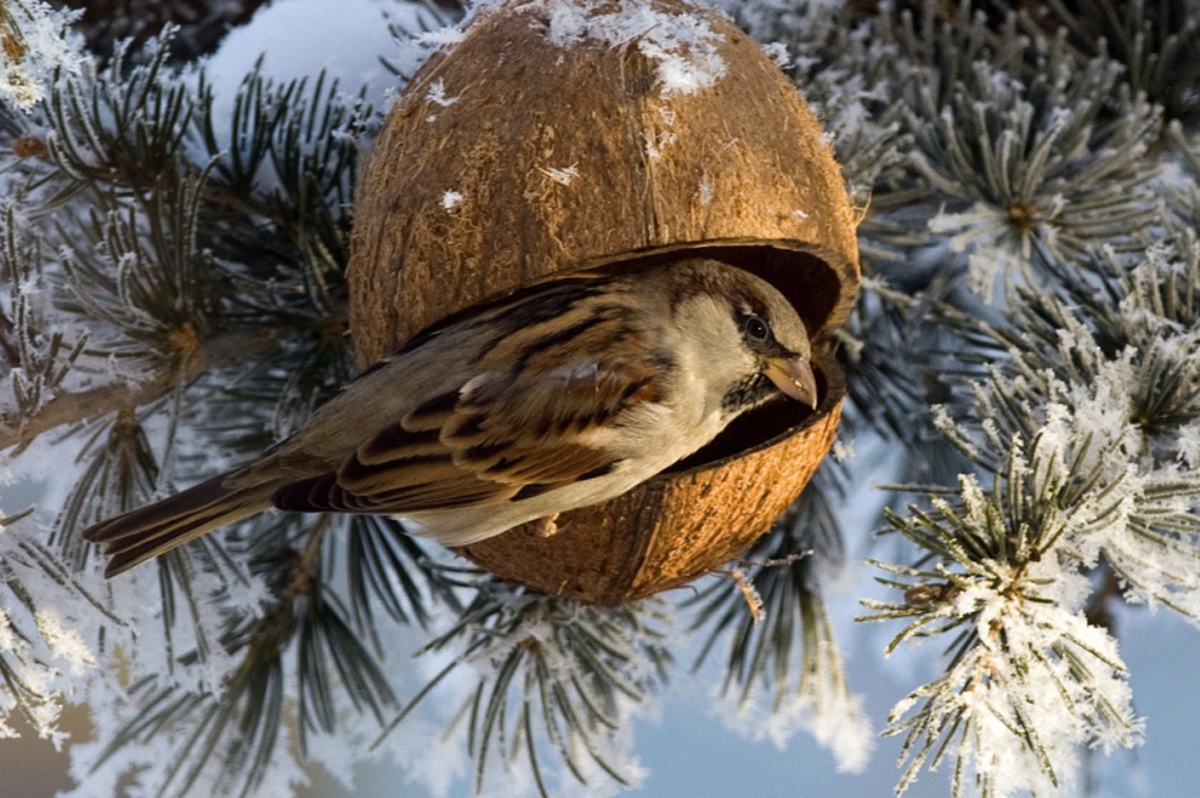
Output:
(358, 477)
(400, 442)
(487, 448)
(432, 413)
(545, 464)
(328, 493)
(143, 533)
(463, 492)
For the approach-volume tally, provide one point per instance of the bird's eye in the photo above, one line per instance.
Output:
(757, 330)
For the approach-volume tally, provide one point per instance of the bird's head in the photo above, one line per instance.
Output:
(749, 343)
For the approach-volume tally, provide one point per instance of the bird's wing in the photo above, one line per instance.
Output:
(505, 434)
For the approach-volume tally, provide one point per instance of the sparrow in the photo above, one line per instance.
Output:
(564, 394)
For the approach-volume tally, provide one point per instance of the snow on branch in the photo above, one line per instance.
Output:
(1029, 680)
(1082, 422)
(33, 46)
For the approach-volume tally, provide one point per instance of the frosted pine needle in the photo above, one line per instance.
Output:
(1029, 680)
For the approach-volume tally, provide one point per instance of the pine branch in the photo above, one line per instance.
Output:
(784, 670)
(1027, 678)
(785, 568)
(70, 408)
(227, 739)
(1155, 40)
(555, 677)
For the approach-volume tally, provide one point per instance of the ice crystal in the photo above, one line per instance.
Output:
(33, 45)
(1030, 680)
(683, 45)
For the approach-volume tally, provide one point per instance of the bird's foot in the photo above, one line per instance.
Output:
(546, 526)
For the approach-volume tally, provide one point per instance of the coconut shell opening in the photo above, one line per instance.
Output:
(812, 279)
(765, 426)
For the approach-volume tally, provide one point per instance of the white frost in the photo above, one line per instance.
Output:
(779, 53)
(561, 175)
(656, 144)
(843, 449)
(65, 642)
(1037, 684)
(994, 252)
(436, 94)
(684, 45)
(834, 718)
(33, 44)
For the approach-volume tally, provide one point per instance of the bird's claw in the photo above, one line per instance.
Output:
(546, 526)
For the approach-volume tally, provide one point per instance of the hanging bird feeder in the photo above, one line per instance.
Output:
(560, 136)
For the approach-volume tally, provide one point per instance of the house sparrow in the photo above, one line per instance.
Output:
(565, 394)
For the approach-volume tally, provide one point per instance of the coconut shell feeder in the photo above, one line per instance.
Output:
(613, 137)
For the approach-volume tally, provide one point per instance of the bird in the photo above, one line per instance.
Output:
(561, 395)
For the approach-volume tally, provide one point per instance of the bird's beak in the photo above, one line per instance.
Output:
(794, 377)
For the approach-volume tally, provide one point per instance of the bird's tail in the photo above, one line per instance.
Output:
(157, 528)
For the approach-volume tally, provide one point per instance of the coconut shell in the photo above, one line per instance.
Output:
(528, 149)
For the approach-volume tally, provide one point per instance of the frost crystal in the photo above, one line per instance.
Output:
(1031, 679)
(65, 642)
(563, 176)
(1085, 414)
(44, 650)
(994, 250)
(32, 47)
(684, 45)
(779, 53)
(436, 94)
(1039, 684)
(419, 31)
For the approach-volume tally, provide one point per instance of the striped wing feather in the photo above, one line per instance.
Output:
(498, 438)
